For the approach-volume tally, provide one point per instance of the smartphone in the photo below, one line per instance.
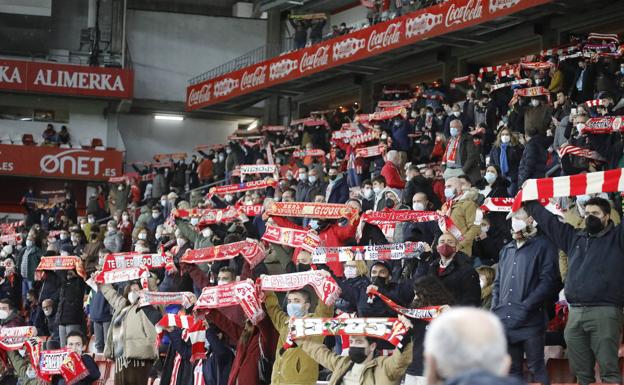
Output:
(573, 111)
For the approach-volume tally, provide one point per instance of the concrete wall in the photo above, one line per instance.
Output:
(168, 49)
(144, 136)
(352, 17)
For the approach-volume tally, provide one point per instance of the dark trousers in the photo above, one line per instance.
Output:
(534, 350)
(593, 335)
(134, 375)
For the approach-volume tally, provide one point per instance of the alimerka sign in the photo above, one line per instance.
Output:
(71, 163)
(64, 79)
(437, 20)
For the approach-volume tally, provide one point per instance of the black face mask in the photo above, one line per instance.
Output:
(389, 203)
(357, 355)
(379, 281)
(333, 177)
(593, 224)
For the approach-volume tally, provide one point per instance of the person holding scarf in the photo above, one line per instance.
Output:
(461, 156)
(460, 206)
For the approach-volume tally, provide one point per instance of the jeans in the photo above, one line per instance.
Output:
(534, 350)
(100, 330)
(26, 286)
(593, 335)
(64, 330)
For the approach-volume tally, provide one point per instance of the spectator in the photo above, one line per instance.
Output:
(533, 162)
(301, 32)
(49, 135)
(506, 154)
(337, 189)
(70, 315)
(28, 260)
(63, 136)
(461, 207)
(113, 240)
(100, 311)
(49, 310)
(461, 156)
(316, 30)
(487, 274)
(9, 317)
(537, 116)
(390, 171)
(77, 342)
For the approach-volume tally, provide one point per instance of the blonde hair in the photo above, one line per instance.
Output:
(514, 139)
(488, 272)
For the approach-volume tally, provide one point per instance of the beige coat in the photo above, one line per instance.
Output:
(463, 214)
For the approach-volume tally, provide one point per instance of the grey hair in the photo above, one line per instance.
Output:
(392, 155)
(466, 339)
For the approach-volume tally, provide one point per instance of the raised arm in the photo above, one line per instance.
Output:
(561, 234)
(275, 312)
(321, 354)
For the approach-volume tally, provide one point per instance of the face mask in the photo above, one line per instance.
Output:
(63, 237)
(133, 297)
(312, 178)
(91, 220)
(505, 138)
(83, 226)
(446, 250)
(4, 314)
(206, 232)
(485, 229)
(29, 243)
(143, 236)
(413, 114)
(124, 218)
(384, 136)
(429, 114)
(295, 310)
(222, 282)
(377, 190)
(418, 206)
(367, 193)
(333, 177)
(229, 198)
(490, 177)
(518, 224)
(314, 225)
(357, 355)
(535, 102)
(482, 283)
(593, 224)
(580, 126)
(120, 188)
(155, 215)
(456, 114)
(379, 281)
(221, 158)
(449, 193)
(454, 132)
(30, 372)
(163, 202)
(140, 249)
(350, 272)
(180, 242)
(194, 221)
(303, 177)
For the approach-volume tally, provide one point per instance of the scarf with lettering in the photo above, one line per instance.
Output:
(251, 210)
(394, 216)
(325, 287)
(62, 263)
(243, 293)
(123, 275)
(389, 113)
(533, 91)
(405, 103)
(274, 128)
(193, 331)
(425, 313)
(304, 239)
(250, 249)
(364, 138)
(176, 156)
(13, 338)
(211, 216)
(505, 205)
(126, 260)
(62, 362)
(604, 125)
(570, 185)
(313, 210)
(153, 298)
(240, 187)
(315, 152)
(368, 253)
(519, 82)
(388, 329)
(372, 151)
(247, 169)
(11, 239)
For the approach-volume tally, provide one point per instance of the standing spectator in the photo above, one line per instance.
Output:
(100, 312)
(159, 184)
(592, 288)
(526, 278)
(583, 83)
(205, 170)
(533, 162)
(301, 32)
(506, 154)
(232, 160)
(461, 207)
(337, 189)
(28, 260)
(70, 315)
(461, 155)
(113, 240)
(316, 30)
(219, 166)
(193, 174)
(390, 171)
(537, 116)
(49, 311)
(179, 176)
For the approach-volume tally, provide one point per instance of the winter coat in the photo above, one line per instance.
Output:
(468, 154)
(379, 371)
(113, 241)
(460, 279)
(339, 192)
(293, 366)
(525, 278)
(99, 310)
(420, 184)
(514, 154)
(69, 310)
(537, 118)
(34, 257)
(159, 186)
(400, 139)
(463, 214)
(533, 162)
(354, 291)
(393, 178)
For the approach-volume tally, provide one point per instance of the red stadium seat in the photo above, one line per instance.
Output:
(97, 142)
(559, 371)
(107, 370)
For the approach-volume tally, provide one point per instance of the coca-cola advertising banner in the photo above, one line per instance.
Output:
(52, 78)
(71, 163)
(408, 29)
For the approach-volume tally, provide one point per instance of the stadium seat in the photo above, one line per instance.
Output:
(107, 370)
(97, 142)
(559, 371)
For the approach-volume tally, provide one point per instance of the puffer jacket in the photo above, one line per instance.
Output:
(138, 329)
(533, 162)
(293, 366)
(113, 241)
(379, 371)
(463, 214)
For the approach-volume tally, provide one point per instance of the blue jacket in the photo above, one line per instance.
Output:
(99, 309)
(339, 192)
(533, 162)
(400, 139)
(526, 277)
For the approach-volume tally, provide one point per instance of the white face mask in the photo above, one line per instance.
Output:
(490, 177)
(142, 236)
(580, 126)
(219, 283)
(29, 243)
(418, 206)
(485, 229)
(456, 114)
(505, 138)
(367, 193)
(133, 297)
(4, 314)
(377, 190)
(63, 237)
(194, 221)
(518, 224)
(163, 202)
(535, 102)
(229, 198)
(47, 313)
(206, 232)
(181, 242)
(91, 220)
(155, 215)
(350, 272)
(449, 193)
(124, 218)
(312, 178)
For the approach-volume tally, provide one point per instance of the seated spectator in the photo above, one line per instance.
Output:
(49, 135)
(9, 316)
(77, 342)
(63, 136)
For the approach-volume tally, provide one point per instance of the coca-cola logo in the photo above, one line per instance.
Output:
(347, 48)
(318, 59)
(497, 5)
(457, 15)
(71, 163)
(225, 86)
(282, 68)
(421, 24)
(253, 79)
(200, 96)
(390, 36)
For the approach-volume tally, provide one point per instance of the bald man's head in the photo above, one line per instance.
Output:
(462, 340)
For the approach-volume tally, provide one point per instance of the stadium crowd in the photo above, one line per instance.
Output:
(200, 272)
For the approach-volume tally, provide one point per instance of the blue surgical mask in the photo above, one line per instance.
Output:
(295, 310)
(313, 224)
(490, 177)
(449, 193)
(454, 132)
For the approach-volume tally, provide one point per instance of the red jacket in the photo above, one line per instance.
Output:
(392, 175)
(331, 236)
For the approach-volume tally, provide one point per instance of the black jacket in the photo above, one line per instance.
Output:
(595, 262)
(533, 162)
(526, 277)
(70, 310)
(420, 184)
(460, 279)
(514, 154)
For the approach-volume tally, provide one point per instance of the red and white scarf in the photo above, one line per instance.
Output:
(241, 293)
(604, 125)
(247, 169)
(450, 155)
(489, 69)
(388, 329)
(595, 103)
(315, 152)
(426, 313)
(62, 263)
(123, 275)
(519, 82)
(364, 138)
(313, 210)
(126, 260)
(211, 216)
(369, 253)
(568, 149)
(396, 103)
(389, 113)
(193, 331)
(62, 362)
(505, 205)
(240, 187)
(470, 79)
(604, 36)
(325, 287)
(11, 239)
(307, 240)
(177, 156)
(251, 210)
(532, 91)
(388, 217)
(537, 65)
(274, 128)
(153, 298)
(372, 151)
(250, 249)
(570, 185)
(14, 338)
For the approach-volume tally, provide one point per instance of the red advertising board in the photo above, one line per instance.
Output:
(65, 79)
(70, 163)
(437, 20)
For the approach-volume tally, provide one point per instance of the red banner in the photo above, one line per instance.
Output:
(73, 163)
(433, 21)
(65, 79)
